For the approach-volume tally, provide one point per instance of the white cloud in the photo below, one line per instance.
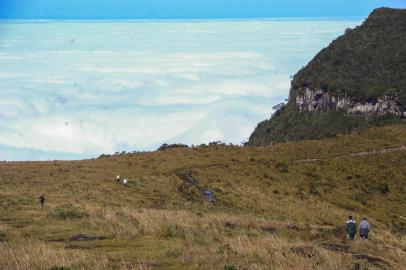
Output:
(135, 85)
(98, 131)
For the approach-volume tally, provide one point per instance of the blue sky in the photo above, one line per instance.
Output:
(172, 9)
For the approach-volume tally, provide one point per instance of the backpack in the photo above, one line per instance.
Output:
(351, 227)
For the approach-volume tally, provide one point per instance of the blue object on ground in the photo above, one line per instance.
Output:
(209, 195)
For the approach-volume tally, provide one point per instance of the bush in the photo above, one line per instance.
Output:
(383, 188)
(283, 168)
(171, 231)
(166, 146)
(229, 267)
(3, 236)
(59, 268)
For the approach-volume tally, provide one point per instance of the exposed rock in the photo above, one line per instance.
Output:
(84, 237)
(309, 100)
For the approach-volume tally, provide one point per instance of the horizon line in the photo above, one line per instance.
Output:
(279, 18)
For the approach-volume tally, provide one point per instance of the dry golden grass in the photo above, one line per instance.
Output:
(280, 207)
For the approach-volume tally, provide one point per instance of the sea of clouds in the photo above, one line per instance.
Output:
(72, 90)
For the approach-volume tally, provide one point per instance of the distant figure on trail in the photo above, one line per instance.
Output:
(209, 195)
(351, 228)
(125, 182)
(42, 199)
(364, 228)
(118, 178)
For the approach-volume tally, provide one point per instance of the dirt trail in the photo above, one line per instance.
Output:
(188, 183)
(186, 177)
(358, 154)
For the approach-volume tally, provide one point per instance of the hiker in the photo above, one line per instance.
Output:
(125, 182)
(118, 178)
(351, 228)
(209, 196)
(42, 199)
(364, 228)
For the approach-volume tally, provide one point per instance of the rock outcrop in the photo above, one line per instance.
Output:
(308, 100)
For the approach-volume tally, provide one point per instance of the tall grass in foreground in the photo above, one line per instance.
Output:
(38, 255)
(202, 240)
(281, 207)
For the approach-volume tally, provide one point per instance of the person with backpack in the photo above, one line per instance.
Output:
(42, 199)
(364, 228)
(118, 178)
(351, 228)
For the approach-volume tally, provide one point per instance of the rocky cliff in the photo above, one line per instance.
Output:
(358, 81)
(308, 100)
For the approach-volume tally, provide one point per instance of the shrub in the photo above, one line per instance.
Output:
(170, 231)
(383, 188)
(357, 266)
(166, 146)
(3, 236)
(283, 168)
(59, 268)
(229, 267)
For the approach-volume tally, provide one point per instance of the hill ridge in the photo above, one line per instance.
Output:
(358, 81)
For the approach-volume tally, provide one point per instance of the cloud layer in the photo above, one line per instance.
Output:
(79, 89)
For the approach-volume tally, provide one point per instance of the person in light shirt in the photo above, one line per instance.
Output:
(364, 228)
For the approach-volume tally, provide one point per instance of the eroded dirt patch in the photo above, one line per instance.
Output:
(85, 237)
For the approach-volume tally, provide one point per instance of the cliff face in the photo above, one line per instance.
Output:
(308, 100)
(358, 81)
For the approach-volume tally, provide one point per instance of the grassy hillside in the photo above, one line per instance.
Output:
(280, 207)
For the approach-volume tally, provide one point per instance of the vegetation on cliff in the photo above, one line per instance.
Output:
(364, 64)
(288, 124)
